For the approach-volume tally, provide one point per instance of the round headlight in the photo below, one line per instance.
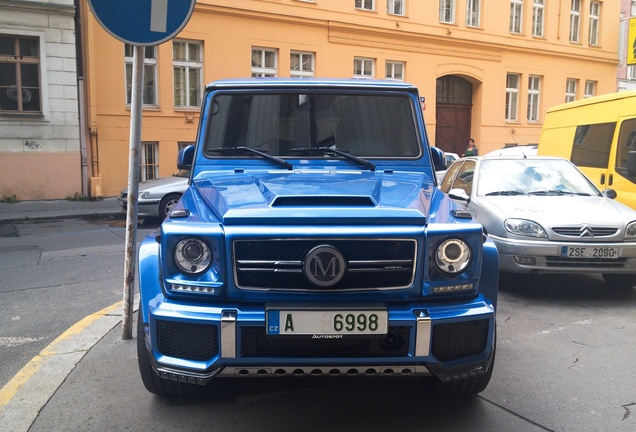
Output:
(630, 232)
(452, 256)
(192, 256)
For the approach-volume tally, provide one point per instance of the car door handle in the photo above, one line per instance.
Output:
(602, 179)
(611, 180)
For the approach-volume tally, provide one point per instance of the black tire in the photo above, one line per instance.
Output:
(153, 383)
(167, 203)
(620, 281)
(470, 386)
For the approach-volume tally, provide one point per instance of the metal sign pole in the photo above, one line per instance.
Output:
(133, 189)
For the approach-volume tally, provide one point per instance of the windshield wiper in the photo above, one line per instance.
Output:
(244, 150)
(557, 192)
(505, 192)
(329, 150)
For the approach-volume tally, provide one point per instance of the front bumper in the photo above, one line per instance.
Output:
(193, 343)
(536, 256)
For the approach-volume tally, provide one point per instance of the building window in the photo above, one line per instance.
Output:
(534, 92)
(264, 62)
(538, 9)
(516, 16)
(575, 20)
(149, 168)
(363, 67)
(570, 89)
(182, 145)
(512, 96)
(473, 17)
(301, 64)
(20, 74)
(590, 89)
(395, 7)
(633, 8)
(149, 97)
(187, 67)
(447, 11)
(395, 70)
(368, 5)
(631, 72)
(595, 19)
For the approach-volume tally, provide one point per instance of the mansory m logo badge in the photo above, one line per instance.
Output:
(324, 266)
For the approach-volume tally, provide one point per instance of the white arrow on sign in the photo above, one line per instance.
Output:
(159, 16)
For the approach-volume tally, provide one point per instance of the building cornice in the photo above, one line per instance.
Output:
(62, 9)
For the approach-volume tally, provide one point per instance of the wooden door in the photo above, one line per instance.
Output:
(453, 127)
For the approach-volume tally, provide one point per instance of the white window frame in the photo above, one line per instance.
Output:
(260, 68)
(571, 85)
(395, 70)
(473, 13)
(396, 7)
(447, 11)
(512, 98)
(366, 5)
(575, 21)
(538, 18)
(633, 8)
(631, 72)
(595, 22)
(150, 70)
(534, 97)
(148, 163)
(516, 16)
(363, 67)
(306, 64)
(187, 65)
(590, 89)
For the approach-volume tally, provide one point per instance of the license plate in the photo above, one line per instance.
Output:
(590, 252)
(327, 322)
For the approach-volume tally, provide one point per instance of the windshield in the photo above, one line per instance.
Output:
(532, 177)
(289, 124)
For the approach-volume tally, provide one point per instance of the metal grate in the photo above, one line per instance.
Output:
(255, 343)
(278, 263)
(585, 231)
(187, 341)
(585, 262)
(460, 339)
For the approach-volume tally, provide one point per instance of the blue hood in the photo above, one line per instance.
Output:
(311, 196)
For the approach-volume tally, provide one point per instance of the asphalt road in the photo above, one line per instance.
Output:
(564, 359)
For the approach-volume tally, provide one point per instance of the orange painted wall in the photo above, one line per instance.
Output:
(337, 32)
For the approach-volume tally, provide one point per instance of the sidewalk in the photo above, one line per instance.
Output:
(56, 209)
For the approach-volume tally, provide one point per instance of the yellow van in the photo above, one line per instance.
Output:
(597, 135)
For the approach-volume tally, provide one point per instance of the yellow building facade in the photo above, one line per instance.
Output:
(488, 69)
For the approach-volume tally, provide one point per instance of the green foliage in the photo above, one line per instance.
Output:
(78, 197)
(11, 199)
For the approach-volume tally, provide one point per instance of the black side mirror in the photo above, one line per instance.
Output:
(631, 164)
(185, 157)
(610, 193)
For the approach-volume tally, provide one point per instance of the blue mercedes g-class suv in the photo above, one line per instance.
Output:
(313, 240)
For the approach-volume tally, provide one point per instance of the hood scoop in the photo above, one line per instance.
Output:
(323, 201)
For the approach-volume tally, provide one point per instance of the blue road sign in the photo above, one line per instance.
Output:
(142, 22)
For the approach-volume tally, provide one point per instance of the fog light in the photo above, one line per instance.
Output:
(192, 289)
(523, 260)
(453, 288)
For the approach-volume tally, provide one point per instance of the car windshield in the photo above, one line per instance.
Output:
(512, 177)
(291, 124)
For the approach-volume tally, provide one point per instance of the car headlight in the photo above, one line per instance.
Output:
(192, 256)
(452, 256)
(630, 231)
(144, 194)
(524, 227)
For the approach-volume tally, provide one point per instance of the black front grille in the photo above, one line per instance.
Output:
(187, 341)
(278, 263)
(255, 343)
(460, 339)
(322, 201)
(585, 232)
